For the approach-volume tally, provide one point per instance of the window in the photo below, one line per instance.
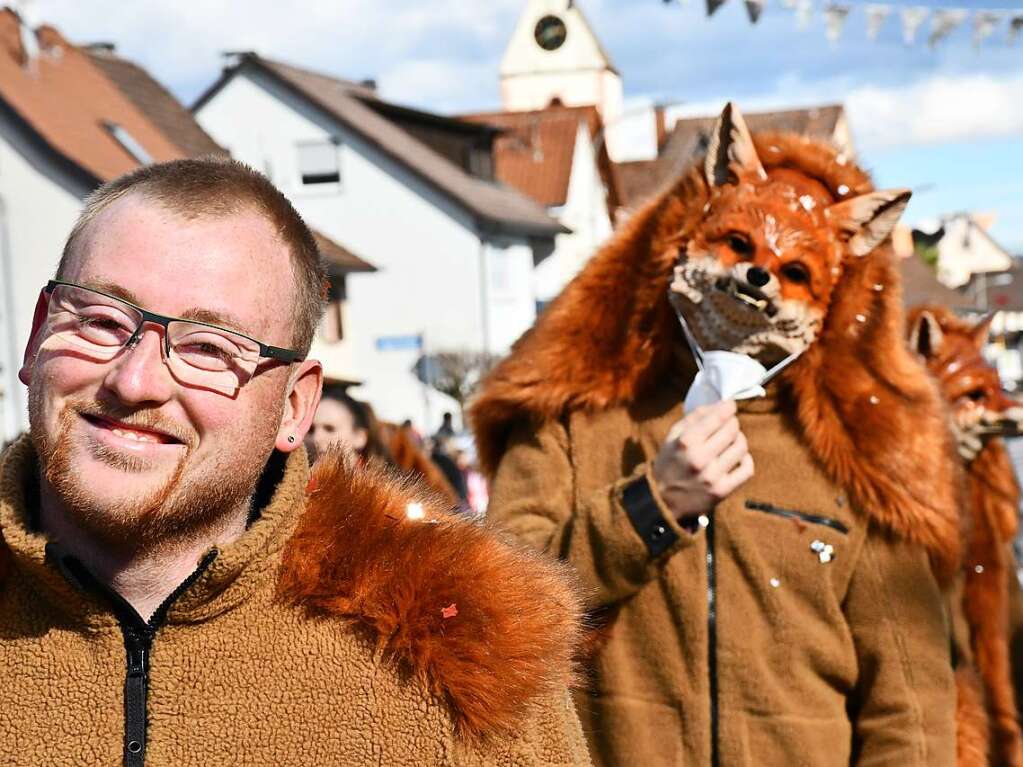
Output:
(318, 163)
(129, 144)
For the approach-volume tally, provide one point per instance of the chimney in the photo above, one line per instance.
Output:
(660, 127)
(369, 83)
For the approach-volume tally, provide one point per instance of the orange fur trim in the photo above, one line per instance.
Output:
(994, 496)
(972, 740)
(357, 556)
(867, 408)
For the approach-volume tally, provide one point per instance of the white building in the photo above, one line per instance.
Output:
(556, 157)
(554, 57)
(411, 192)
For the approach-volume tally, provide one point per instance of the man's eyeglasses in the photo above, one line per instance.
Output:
(197, 353)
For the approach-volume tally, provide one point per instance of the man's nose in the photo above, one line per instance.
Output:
(138, 375)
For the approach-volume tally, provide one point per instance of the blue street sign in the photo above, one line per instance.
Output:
(399, 343)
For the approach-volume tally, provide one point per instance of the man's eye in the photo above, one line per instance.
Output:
(740, 244)
(795, 272)
(101, 323)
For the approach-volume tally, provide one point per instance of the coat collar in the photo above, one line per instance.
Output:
(234, 573)
(866, 408)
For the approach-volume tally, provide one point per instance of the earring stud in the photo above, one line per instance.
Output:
(291, 439)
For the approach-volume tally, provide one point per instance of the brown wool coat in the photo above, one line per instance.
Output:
(316, 638)
(845, 662)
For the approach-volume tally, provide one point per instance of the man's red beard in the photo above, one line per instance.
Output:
(193, 499)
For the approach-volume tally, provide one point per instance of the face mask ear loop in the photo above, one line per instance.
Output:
(779, 367)
(690, 339)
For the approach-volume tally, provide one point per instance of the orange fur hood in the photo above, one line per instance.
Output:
(866, 407)
(489, 627)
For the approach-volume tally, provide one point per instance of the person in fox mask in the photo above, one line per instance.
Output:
(987, 604)
(719, 425)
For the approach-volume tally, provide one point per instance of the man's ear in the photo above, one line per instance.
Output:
(926, 336)
(730, 153)
(869, 218)
(300, 407)
(35, 338)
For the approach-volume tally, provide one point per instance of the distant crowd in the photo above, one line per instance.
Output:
(445, 461)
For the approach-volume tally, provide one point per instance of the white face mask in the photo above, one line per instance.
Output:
(726, 375)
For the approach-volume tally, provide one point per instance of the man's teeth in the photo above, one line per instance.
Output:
(135, 435)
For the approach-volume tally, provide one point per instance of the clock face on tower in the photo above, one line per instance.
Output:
(550, 33)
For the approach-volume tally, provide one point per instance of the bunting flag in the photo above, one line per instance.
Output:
(754, 8)
(912, 18)
(804, 13)
(943, 22)
(1015, 25)
(984, 24)
(876, 17)
(834, 20)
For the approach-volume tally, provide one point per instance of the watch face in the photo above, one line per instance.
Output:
(550, 33)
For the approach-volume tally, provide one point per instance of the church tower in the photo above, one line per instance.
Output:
(554, 56)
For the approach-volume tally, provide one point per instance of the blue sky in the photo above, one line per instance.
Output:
(947, 121)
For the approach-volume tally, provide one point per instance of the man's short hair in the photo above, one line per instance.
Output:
(213, 187)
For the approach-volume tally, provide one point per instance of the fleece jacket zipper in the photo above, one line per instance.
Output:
(138, 645)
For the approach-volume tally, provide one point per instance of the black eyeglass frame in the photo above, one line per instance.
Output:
(265, 350)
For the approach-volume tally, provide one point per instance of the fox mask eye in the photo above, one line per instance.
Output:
(796, 272)
(975, 395)
(740, 244)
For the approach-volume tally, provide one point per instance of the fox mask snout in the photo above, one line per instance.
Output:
(756, 274)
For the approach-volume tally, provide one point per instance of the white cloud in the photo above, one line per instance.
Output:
(181, 45)
(937, 110)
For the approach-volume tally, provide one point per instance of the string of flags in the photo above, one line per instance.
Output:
(913, 19)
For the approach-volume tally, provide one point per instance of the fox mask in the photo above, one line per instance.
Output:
(952, 349)
(756, 275)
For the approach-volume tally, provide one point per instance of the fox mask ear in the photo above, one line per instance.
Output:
(980, 331)
(926, 336)
(730, 153)
(869, 218)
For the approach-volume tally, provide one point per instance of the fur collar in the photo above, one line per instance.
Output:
(489, 627)
(866, 407)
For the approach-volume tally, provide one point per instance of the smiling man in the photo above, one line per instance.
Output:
(176, 589)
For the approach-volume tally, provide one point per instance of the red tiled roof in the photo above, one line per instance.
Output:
(920, 285)
(688, 140)
(155, 102)
(69, 103)
(534, 153)
(351, 104)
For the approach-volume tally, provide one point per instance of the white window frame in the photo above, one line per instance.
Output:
(328, 184)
